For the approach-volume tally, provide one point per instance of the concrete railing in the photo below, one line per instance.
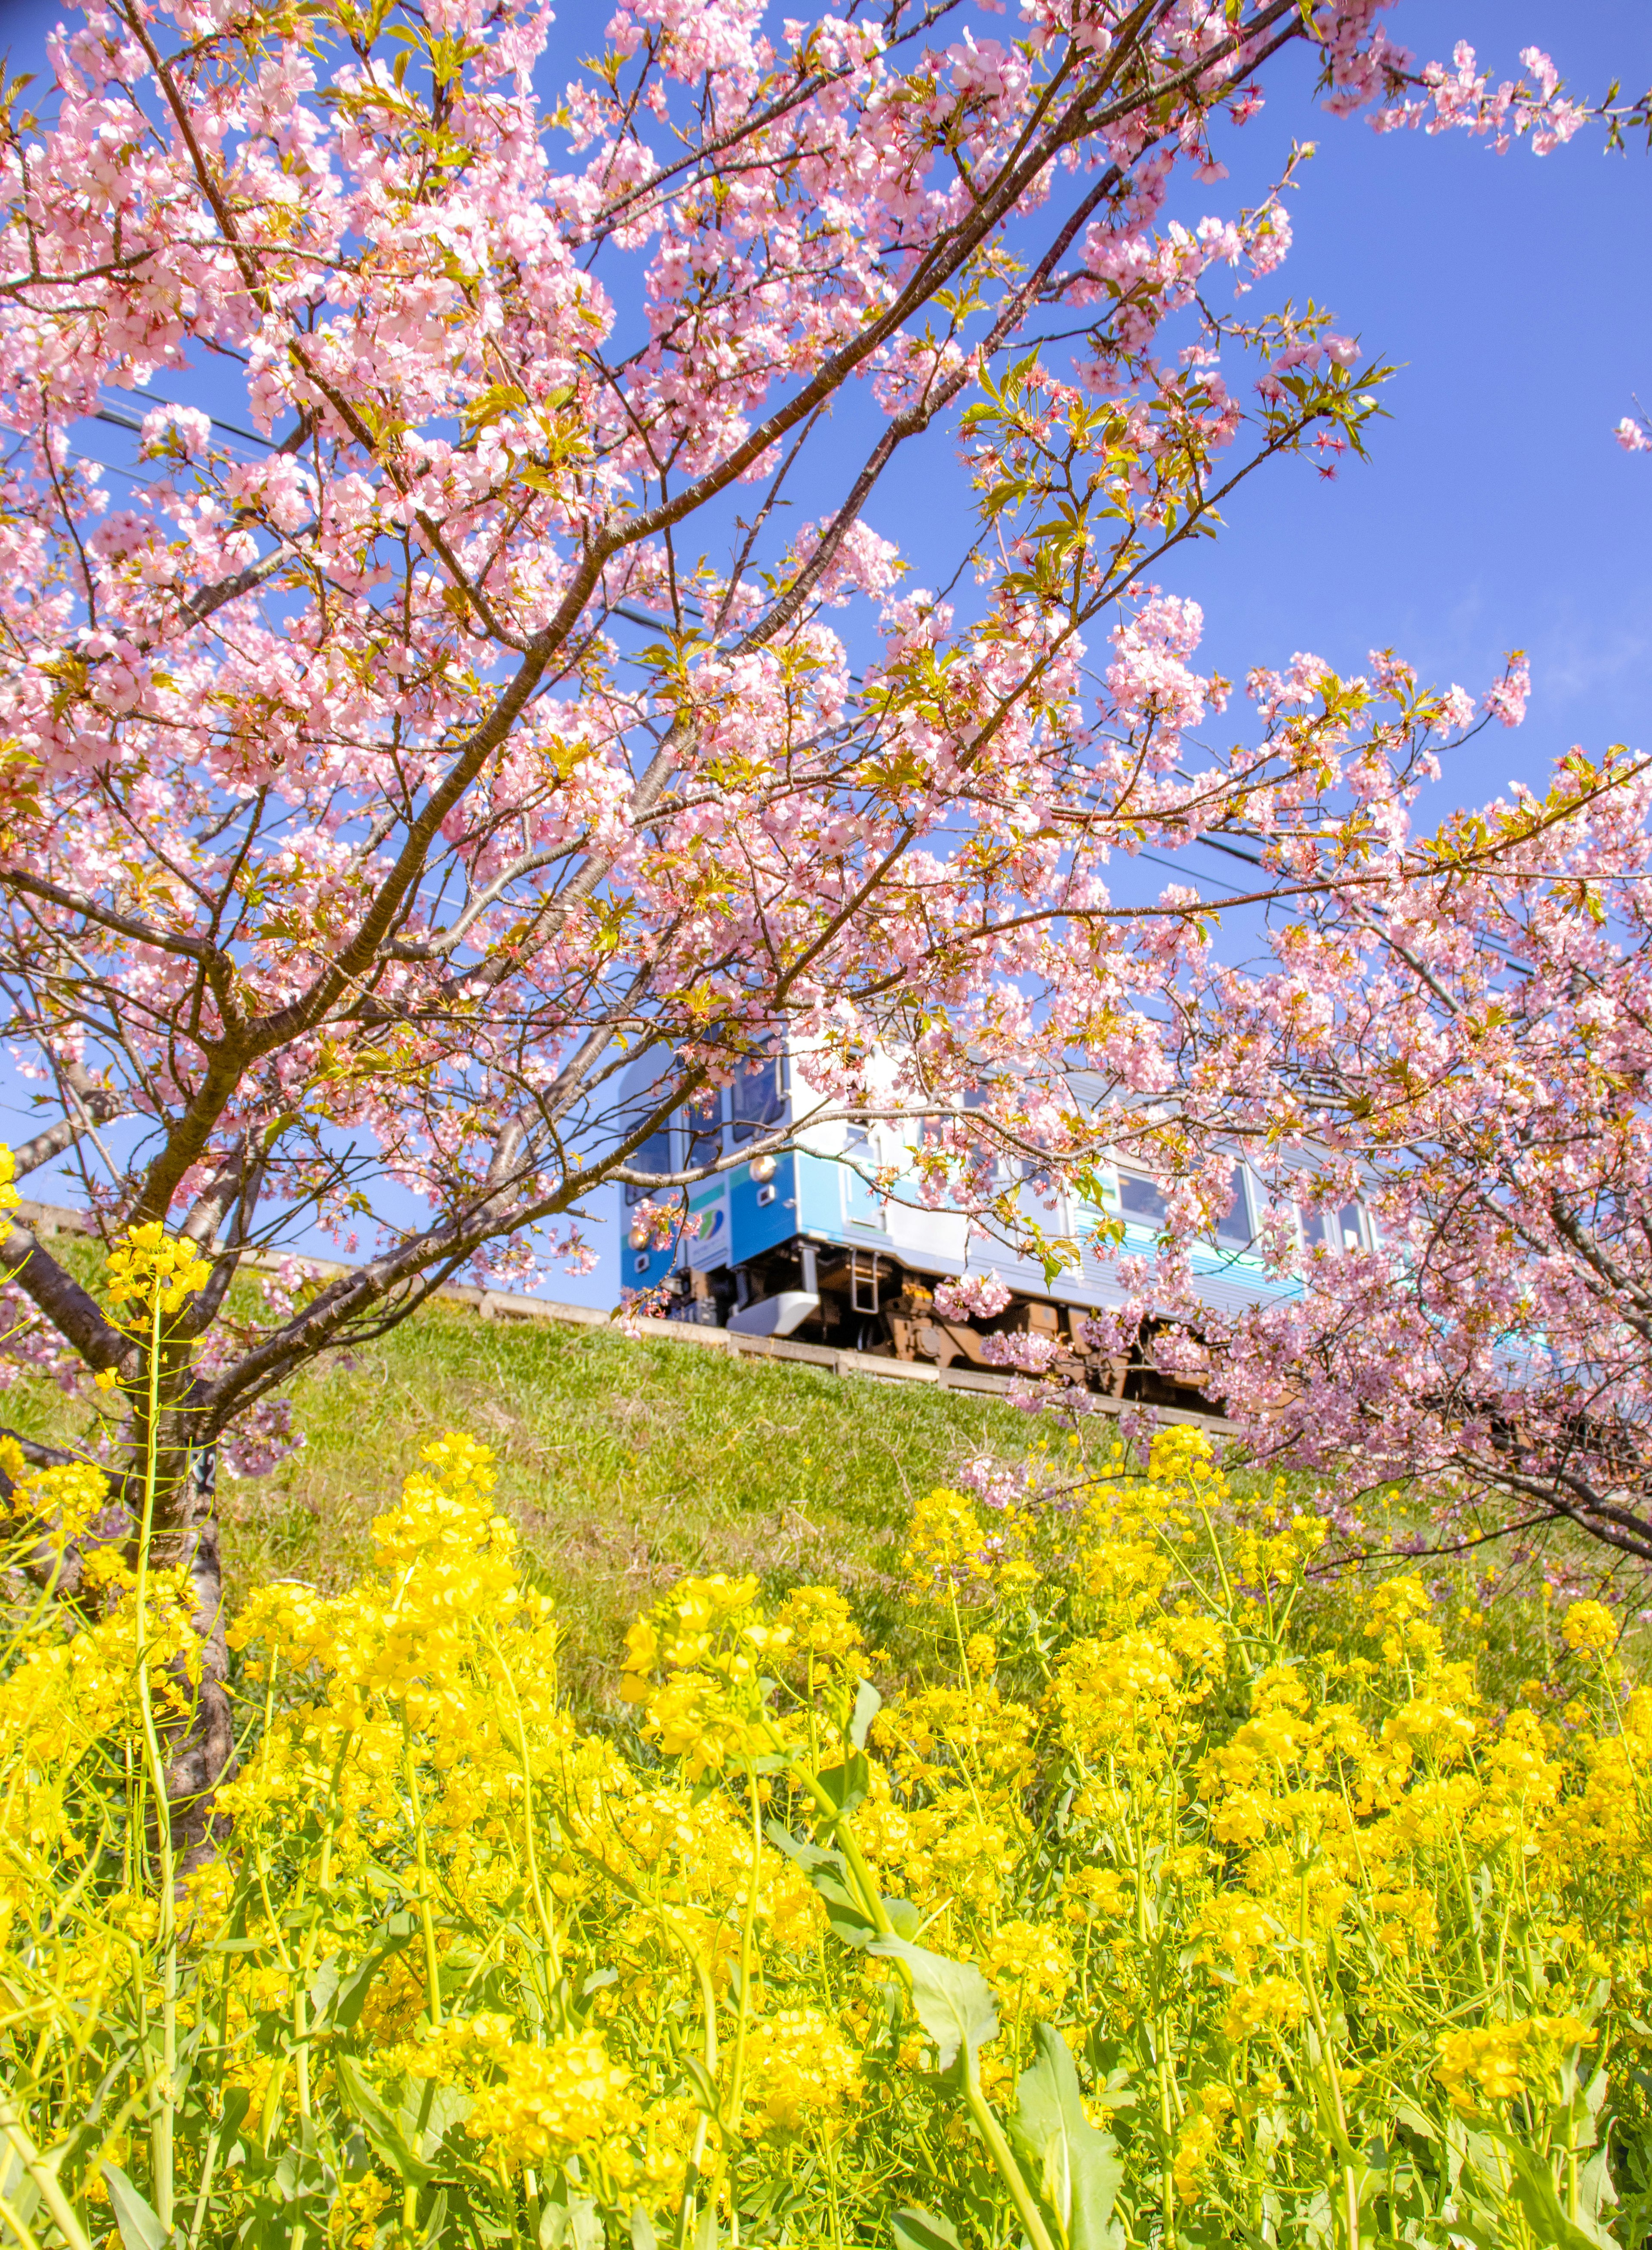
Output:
(509, 1305)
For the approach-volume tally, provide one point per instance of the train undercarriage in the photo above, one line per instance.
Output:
(869, 1300)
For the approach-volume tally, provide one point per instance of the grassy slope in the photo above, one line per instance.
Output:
(625, 1465)
(628, 1464)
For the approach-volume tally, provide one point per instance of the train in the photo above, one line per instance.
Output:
(798, 1242)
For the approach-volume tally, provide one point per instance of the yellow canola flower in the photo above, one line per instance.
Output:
(945, 1545)
(1272, 2004)
(1198, 2141)
(818, 1624)
(146, 1267)
(1589, 1627)
(690, 1717)
(10, 1197)
(1029, 1965)
(1152, 1811)
(800, 2069)
(1499, 2061)
(566, 2098)
(446, 1568)
(712, 1622)
(59, 1503)
(1397, 1615)
(1181, 1454)
(1123, 1699)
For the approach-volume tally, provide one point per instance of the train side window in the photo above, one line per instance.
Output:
(654, 1155)
(756, 1100)
(1141, 1201)
(1234, 1229)
(1350, 1227)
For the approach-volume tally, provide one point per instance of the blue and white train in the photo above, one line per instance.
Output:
(799, 1244)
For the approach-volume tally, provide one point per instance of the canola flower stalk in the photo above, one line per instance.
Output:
(43, 2176)
(150, 1276)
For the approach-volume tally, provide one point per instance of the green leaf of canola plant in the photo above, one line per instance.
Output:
(828, 1872)
(847, 1785)
(350, 1996)
(134, 2214)
(382, 2129)
(923, 2230)
(953, 2001)
(1075, 2166)
(575, 2224)
(868, 1704)
(1540, 2206)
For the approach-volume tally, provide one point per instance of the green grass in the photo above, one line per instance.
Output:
(624, 1465)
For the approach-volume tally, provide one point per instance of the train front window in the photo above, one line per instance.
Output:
(1349, 1231)
(756, 1099)
(654, 1155)
(704, 1115)
(1234, 1229)
(1141, 1201)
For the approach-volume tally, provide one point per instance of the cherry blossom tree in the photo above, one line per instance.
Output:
(1442, 1071)
(453, 712)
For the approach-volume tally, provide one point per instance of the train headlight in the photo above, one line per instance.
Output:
(639, 1235)
(762, 1168)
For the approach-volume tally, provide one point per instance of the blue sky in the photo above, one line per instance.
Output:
(1497, 510)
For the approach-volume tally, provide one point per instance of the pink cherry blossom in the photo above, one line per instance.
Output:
(973, 1296)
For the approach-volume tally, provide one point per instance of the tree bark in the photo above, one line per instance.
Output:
(200, 1750)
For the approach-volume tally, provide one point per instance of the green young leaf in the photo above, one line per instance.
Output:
(575, 2224)
(923, 2230)
(643, 2236)
(238, 2102)
(1533, 2189)
(1076, 2169)
(847, 1785)
(868, 1704)
(324, 1987)
(382, 2128)
(808, 1856)
(440, 2108)
(953, 2001)
(18, 2190)
(133, 2215)
(350, 1996)
(1595, 2190)
(829, 1871)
